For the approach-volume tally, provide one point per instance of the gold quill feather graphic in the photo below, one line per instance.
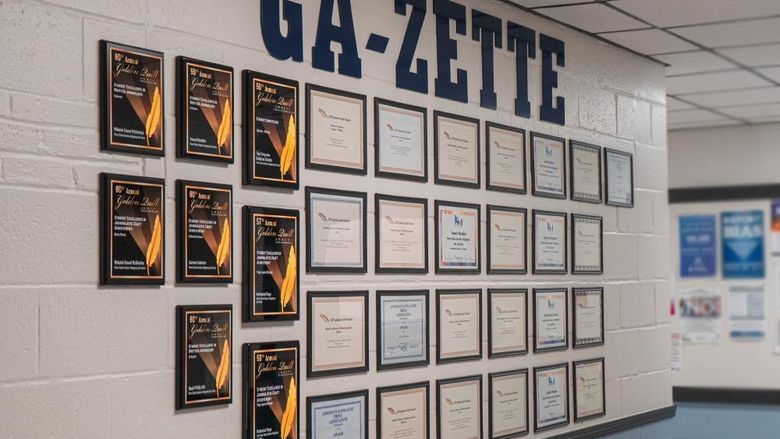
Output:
(289, 410)
(225, 126)
(224, 367)
(153, 119)
(288, 285)
(153, 249)
(224, 244)
(288, 151)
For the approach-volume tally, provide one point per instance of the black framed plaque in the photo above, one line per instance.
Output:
(589, 389)
(402, 332)
(585, 172)
(551, 319)
(270, 131)
(551, 396)
(587, 244)
(335, 231)
(271, 261)
(132, 231)
(335, 130)
(337, 332)
(505, 158)
(337, 415)
(403, 411)
(508, 404)
(204, 346)
(507, 232)
(400, 141)
(548, 166)
(619, 177)
(205, 110)
(271, 390)
(507, 322)
(458, 325)
(401, 234)
(549, 247)
(459, 407)
(204, 233)
(457, 240)
(588, 316)
(456, 145)
(132, 104)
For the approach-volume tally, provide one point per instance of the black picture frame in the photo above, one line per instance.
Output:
(440, 383)
(443, 181)
(490, 208)
(380, 391)
(248, 139)
(565, 292)
(182, 231)
(249, 267)
(334, 168)
(378, 172)
(311, 400)
(576, 344)
(608, 201)
(309, 241)
(564, 245)
(181, 355)
(378, 198)
(448, 292)
(106, 231)
(574, 218)
(182, 116)
(443, 270)
(310, 372)
(538, 429)
(603, 389)
(106, 93)
(379, 331)
(490, 293)
(546, 194)
(488, 144)
(595, 148)
(491, 377)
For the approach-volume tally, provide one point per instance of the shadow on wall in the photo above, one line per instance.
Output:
(713, 421)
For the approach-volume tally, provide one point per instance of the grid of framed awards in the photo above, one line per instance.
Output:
(351, 232)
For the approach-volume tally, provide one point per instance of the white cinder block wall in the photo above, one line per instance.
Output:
(78, 361)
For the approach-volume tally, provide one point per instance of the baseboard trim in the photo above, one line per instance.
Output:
(719, 395)
(724, 193)
(620, 425)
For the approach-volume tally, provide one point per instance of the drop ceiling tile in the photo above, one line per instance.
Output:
(768, 119)
(753, 111)
(593, 18)
(772, 73)
(543, 3)
(649, 42)
(753, 56)
(678, 85)
(665, 13)
(673, 104)
(736, 97)
(689, 116)
(693, 62)
(709, 124)
(765, 30)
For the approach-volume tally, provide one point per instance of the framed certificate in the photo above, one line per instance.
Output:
(507, 228)
(132, 230)
(271, 131)
(456, 150)
(508, 404)
(335, 130)
(619, 177)
(551, 319)
(458, 325)
(551, 396)
(587, 244)
(402, 338)
(549, 247)
(588, 316)
(335, 231)
(459, 408)
(337, 332)
(457, 243)
(204, 233)
(271, 261)
(507, 322)
(337, 415)
(548, 166)
(506, 164)
(271, 389)
(589, 389)
(585, 172)
(401, 234)
(205, 110)
(400, 141)
(402, 411)
(204, 362)
(132, 99)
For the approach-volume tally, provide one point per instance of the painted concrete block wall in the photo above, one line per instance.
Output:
(88, 362)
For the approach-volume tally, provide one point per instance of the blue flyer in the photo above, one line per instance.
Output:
(742, 234)
(698, 251)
